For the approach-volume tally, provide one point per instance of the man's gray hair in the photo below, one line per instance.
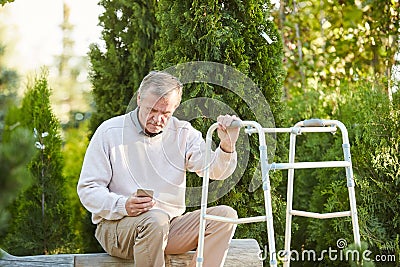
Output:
(160, 84)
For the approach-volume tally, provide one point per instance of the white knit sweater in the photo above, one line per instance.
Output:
(120, 159)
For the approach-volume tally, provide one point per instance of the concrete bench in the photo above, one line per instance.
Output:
(242, 252)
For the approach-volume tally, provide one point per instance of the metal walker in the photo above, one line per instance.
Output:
(314, 126)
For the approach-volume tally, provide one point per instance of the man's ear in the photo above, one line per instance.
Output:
(138, 100)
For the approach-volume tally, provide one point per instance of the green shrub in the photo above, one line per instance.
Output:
(40, 214)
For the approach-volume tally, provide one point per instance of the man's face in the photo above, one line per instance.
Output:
(155, 111)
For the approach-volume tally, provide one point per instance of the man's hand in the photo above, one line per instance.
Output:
(227, 135)
(137, 205)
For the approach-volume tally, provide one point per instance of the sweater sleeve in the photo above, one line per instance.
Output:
(95, 177)
(222, 164)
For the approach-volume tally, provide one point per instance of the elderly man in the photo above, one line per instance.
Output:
(148, 148)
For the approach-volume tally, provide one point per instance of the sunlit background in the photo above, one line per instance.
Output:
(32, 30)
(55, 34)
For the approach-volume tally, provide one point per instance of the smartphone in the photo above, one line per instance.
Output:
(144, 193)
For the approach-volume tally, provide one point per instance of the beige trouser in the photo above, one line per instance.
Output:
(147, 237)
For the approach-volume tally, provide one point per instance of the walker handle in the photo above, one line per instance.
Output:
(236, 123)
(314, 123)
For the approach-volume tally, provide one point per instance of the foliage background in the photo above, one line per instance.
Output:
(330, 59)
(340, 58)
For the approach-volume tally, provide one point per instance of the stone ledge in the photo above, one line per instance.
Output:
(242, 252)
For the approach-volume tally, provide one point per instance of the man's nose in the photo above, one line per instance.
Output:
(158, 117)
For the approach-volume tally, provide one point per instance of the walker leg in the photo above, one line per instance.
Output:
(200, 246)
(352, 195)
(289, 204)
(268, 205)
(203, 209)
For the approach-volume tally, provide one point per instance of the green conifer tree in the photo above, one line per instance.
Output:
(228, 32)
(240, 35)
(129, 32)
(40, 215)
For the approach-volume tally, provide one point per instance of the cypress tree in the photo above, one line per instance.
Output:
(129, 31)
(229, 32)
(40, 214)
(237, 34)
